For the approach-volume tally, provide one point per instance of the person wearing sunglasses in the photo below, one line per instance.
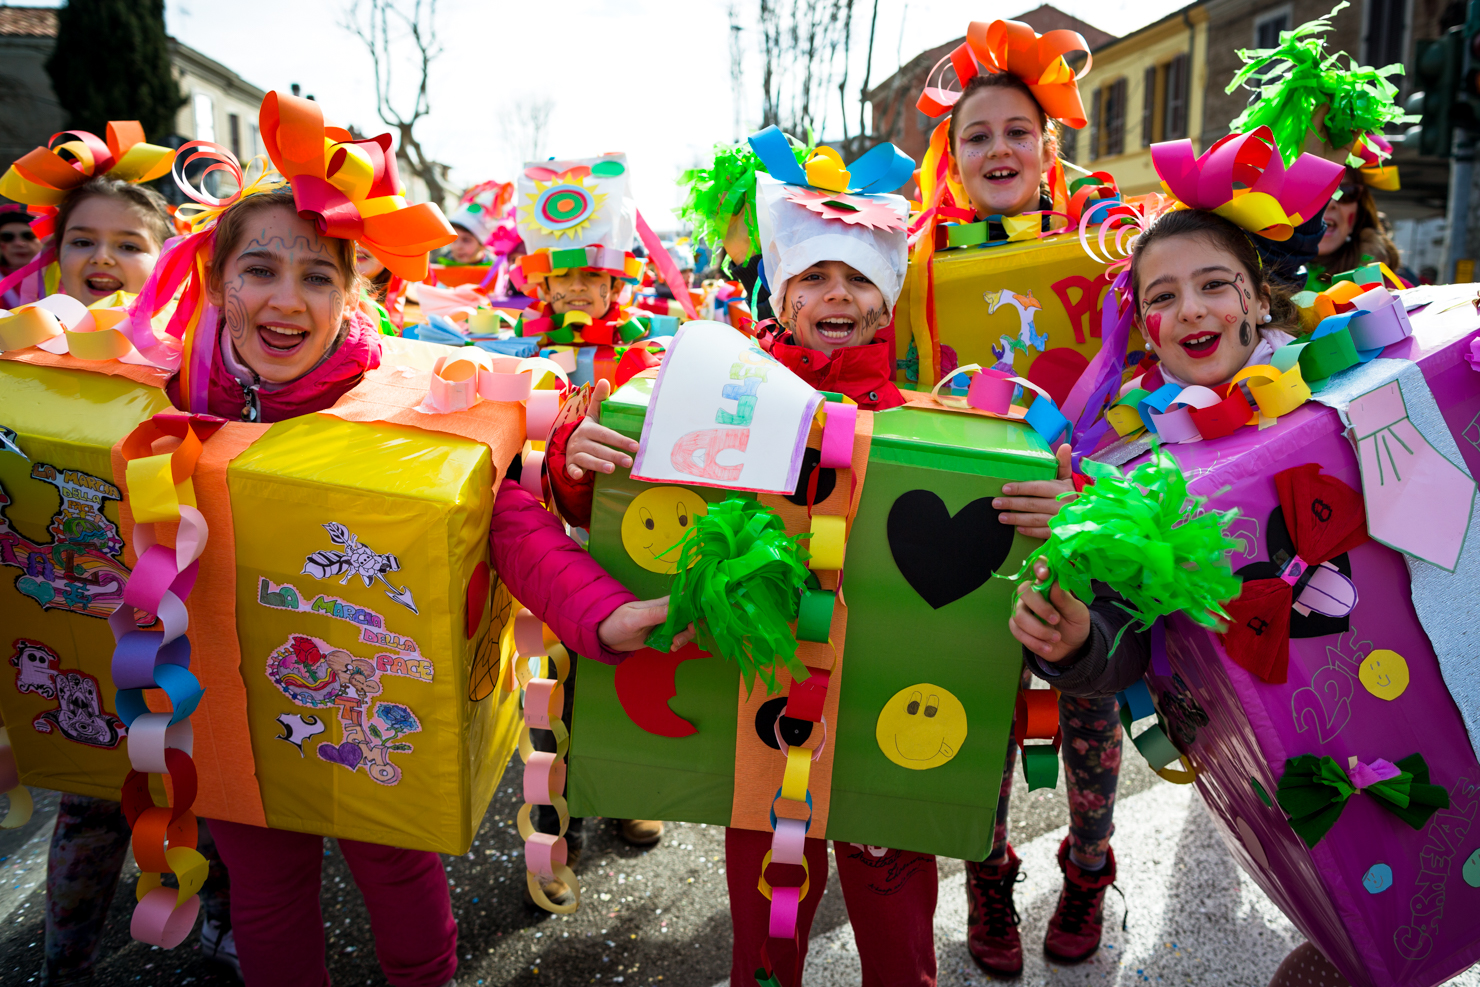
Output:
(1354, 229)
(17, 243)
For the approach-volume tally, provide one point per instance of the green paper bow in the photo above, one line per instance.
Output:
(1146, 539)
(1314, 790)
(1297, 77)
(738, 582)
(724, 187)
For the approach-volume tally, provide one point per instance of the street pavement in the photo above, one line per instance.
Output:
(660, 916)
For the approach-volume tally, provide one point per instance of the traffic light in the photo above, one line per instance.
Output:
(1440, 65)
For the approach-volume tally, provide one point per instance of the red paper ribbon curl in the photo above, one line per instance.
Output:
(1012, 46)
(351, 188)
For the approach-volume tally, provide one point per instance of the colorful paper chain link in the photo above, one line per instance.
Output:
(160, 491)
(1037, 718)
(1154, 743)
(1372, 319)
(992, 391)
(62, 324)
(545, 856)
(806, 698)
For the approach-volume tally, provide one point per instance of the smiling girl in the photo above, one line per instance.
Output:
(110, 233)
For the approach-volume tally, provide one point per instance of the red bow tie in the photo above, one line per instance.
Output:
(1325, 518)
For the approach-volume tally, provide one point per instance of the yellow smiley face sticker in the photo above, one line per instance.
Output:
(1385, 674)
(655, 523)
(922, 726)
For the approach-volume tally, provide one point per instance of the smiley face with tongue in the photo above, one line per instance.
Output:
(281, 288)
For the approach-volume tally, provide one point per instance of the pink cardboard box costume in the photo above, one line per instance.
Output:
(1389, 905)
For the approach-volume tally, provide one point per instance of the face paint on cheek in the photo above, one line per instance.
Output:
(1153, 326)
(1245, 337)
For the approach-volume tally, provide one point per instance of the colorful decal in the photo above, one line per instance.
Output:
(36, 667)
(313, 673)
(921, 727)
(298, 728)
(80, 569)
(406, 660)
(355, 559)
(911, 362)
(79, 715)
(1028, 337)
(10, 442)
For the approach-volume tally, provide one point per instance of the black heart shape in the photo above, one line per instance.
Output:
(943, 557)
(827, 480)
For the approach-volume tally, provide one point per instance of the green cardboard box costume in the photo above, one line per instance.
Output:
(929, 659)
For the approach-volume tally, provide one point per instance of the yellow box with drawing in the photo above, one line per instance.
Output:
(370, 663)
(1039, 300)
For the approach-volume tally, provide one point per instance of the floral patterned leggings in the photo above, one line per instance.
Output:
(1091, 752)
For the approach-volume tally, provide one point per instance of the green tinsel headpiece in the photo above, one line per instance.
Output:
(725, 187)
(1146, 539)
(1301, 77)
(738, 582)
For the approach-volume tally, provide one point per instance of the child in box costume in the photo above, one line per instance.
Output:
(1331, 726)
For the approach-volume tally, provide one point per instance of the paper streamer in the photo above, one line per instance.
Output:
(545, 855)
(160, 491)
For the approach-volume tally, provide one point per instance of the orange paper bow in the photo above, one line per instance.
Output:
(350, 188)
(1012, 46)
(43, 177)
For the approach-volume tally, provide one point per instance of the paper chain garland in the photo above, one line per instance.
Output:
(1372, 319)
(992, 391)
(1154, 743)
(545, 855)
(62, 324)
(160, 491)
(1037, 718)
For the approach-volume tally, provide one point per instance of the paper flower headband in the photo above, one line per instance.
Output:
(833, 191)
(1297, 78)
(1012, 46)
(1243, 179)
(350, 188)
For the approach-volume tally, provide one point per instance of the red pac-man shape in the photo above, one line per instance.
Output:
(645, 684)
(477, 597)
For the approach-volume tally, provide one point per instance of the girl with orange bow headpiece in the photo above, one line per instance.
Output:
(80, 180)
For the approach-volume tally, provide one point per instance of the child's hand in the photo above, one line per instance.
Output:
(1054, 626)
(627, 627)
(592, 446)
(1033, 504)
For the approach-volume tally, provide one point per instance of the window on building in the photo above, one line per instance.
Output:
(204, 111)
(1114, 114)
(234, 128)
(254, 146)
(1386, 23)
(1267, 27)
(1096, 98)
(1174, 118)
(1148, 106)
(1068, 143)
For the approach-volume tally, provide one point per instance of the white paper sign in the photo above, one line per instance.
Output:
(724, 413)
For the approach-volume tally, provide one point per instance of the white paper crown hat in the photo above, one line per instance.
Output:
(577, 203)
(794, 237)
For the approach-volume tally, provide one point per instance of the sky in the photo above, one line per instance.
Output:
(649, 77)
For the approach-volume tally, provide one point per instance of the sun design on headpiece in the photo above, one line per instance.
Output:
(855, 210)
(564, 205)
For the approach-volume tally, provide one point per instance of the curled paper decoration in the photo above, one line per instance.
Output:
(1313, 791)
(62, 324)
(1154, 743)
(545, 855)
(1243, 179)
(1147, 539)
(160, 491)
(459, 302)
(1300, 87)
(1037, 718)
(43, 177)
(991, 392)
(351, 188)
(1374, 149)
(1326, 517)
(738, 579)
(884, 168)
(1012, 46)
(459, 384)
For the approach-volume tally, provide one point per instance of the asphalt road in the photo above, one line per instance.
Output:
(661, 916)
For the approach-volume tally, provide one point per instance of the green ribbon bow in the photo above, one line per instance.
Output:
(738, 582)
(1314, 790)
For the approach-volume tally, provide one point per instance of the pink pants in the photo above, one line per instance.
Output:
(891, 906)
(275, 878)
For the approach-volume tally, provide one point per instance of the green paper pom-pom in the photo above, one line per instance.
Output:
(1146, 539)
(738, 581)
(1294, 79)
(725, 186)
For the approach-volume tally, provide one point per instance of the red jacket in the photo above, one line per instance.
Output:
(864, 373)
(542, 567)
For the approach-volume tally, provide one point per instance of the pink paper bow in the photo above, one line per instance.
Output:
(1367, 775)
(454, 303)
(1243, 178)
